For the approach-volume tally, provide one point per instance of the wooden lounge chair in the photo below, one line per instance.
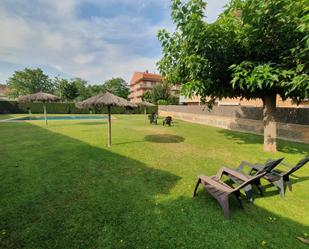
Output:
(280, 179)
(221, 191)
(168, 121)
(153, 119)
(262, 168)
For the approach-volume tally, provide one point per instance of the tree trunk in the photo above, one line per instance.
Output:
(109, 127)
(270, 126)
(145, 112)
(45, 113)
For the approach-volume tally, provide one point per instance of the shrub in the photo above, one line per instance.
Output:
(13, 107)
(162, 102)
(173, 100)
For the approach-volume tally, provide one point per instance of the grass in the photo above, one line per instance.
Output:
(61, 187)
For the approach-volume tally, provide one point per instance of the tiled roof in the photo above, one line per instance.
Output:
(139, 76)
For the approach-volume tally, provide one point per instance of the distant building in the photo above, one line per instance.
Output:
(142, 82)
(4, 92)
(195, 100)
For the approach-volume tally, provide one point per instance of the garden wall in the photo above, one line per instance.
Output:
(13, 107)
(293, 123)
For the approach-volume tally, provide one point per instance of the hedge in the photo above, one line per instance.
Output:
(14, 107)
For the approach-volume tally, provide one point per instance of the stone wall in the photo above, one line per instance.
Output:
(293, 123)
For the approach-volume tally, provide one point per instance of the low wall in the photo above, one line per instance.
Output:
(293, 123)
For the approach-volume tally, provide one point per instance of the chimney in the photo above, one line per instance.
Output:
(146, 71)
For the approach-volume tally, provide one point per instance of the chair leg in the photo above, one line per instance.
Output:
(259, 187)
(289, 185)
(249, 193)
(237, 194)
(196, 187)
(224, 203)
(281, 186)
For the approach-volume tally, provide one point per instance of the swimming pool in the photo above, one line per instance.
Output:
(57, 118)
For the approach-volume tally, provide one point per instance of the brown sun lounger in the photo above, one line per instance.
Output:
(278, 178)
(262, 168)
(221, 191)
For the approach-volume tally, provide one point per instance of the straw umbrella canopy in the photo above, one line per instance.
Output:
(109, 100)
(39, 97)
(145, 104)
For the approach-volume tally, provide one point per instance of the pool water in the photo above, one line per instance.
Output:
(59, 118)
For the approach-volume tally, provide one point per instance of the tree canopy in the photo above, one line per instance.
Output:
(254, 48)
(160, 94)
(29, 81)
(117, 86)
(82, 87)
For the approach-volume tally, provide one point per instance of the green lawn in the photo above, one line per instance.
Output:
(61, 187)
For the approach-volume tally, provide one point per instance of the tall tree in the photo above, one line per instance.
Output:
(29, 81)
(82, 89)
(66, 90)
(96, 89)
(60, 87)
(148, 96)
(75, 89)
(70, 91)
(161, 94)
(117, 86)
(256, 49)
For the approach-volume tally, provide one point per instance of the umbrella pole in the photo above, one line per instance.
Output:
(109, 126)
(45, 114)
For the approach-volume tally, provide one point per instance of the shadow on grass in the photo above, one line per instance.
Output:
(275, 191)
(174, 123)
(249, 138)
(249, 227)
(5, 116)
(159, 138)
(59, 192)
(130, 142)
(164, 138)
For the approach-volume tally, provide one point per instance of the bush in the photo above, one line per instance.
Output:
(8, 107)
(173, 100)
(162, 102)
(14, 107)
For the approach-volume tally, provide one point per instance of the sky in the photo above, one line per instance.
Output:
(92, 39)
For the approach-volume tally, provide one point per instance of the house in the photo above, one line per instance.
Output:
(195, 100)
(141, 82)
(3, 92)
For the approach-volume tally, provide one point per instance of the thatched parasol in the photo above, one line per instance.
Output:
(105, 99)
(144, 104)
(39, 97)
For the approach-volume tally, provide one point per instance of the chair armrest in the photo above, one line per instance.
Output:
(250, 165)
(232, 172)
(216, 184)
(286, 165)
(250, 180)
(257, 167)
(282, 163)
